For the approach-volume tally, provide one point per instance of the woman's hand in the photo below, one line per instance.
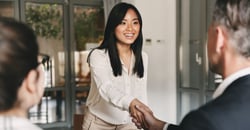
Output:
(152, 122)
(136, 114)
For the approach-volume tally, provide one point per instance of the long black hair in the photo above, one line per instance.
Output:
(116, 16)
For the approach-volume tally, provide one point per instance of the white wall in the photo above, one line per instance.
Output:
(159, 26)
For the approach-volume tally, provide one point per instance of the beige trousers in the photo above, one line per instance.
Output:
(92, 122)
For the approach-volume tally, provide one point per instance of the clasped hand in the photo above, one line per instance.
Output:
(138, 116)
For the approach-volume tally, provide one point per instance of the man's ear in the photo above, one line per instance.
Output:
(220, 39)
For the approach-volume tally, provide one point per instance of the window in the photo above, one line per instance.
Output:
(7, 8)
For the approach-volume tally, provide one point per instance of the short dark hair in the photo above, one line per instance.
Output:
(18, 55)
(116, 16)
(235, 16)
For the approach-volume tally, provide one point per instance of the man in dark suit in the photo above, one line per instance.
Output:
(228, 55)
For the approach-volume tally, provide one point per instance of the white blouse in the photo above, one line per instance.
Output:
(16, 123)
(109, 97)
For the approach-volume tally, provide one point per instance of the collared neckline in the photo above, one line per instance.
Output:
(227, 81)
(132, 62)
(132, 58)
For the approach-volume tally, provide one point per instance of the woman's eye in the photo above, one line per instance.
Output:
(136, 22)
(123, 23)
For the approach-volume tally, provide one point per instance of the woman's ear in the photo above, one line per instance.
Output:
(28, 92)
(31, 81)
(34, 84)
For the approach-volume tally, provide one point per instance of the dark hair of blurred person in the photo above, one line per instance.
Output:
(21, 75)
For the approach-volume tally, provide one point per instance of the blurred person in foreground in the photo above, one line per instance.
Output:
(228, 50)
(21, 75)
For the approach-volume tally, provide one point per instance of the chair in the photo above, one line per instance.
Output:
(78, 120)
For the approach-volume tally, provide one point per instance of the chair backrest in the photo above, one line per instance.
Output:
(78, 120)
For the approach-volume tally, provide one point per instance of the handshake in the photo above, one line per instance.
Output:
(143, 117)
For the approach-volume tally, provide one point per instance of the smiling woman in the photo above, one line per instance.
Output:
(118, 72)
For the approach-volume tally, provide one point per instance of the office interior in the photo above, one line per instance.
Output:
(174, 34)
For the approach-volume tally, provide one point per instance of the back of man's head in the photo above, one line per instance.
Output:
(234, 15)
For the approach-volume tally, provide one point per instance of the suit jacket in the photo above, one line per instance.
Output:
(229, 111)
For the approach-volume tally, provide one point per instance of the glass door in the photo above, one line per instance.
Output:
(8, 8)
(88, 27)
(47, 20)
(196, 82)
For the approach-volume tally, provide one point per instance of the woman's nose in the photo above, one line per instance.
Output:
(129, 27)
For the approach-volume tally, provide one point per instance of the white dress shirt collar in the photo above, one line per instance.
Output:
(227, 81)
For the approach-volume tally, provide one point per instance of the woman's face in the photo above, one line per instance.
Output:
(128, 30)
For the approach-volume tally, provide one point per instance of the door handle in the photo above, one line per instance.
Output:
(198, 59)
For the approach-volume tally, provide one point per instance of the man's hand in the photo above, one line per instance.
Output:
(152, 122)
(137, 114)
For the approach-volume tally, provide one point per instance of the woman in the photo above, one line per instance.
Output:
(118, 73)
(21, 76)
